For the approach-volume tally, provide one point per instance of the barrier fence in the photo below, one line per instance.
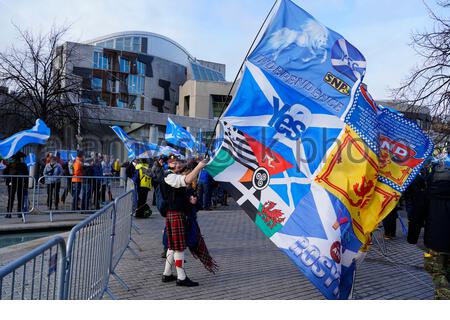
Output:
(24, 195)
(94, 249)
(37, 275)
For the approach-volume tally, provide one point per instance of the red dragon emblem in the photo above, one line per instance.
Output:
(271, 216)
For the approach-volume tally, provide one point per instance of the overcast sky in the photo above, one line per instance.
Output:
(222, 31)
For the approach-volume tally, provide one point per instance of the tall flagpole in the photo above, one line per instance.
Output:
(237, 75)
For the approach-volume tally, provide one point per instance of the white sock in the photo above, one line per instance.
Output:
(169, 262)
(179, 262)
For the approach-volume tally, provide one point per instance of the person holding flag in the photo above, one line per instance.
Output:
(176, 238)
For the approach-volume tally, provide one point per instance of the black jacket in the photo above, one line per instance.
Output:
(416, 200)
(437, 220)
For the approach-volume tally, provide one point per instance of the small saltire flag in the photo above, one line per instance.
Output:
(308, 154)
(38, 134)
(135, 147)
(178, 136)
(67, 155)
(30, 160)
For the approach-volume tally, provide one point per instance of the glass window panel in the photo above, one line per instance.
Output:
(136, 44)
(109, 44)
(202, 73)
(140, 67)
(96, 83)
(127, 44)
(195, 71)
(209, 74)
(95, 62)
(119, 43)
(124, 65)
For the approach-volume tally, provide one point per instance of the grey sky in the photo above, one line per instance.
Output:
(222, 31)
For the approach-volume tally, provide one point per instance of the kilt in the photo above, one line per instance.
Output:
(176, 236)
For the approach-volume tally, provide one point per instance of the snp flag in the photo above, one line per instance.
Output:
(38, 134)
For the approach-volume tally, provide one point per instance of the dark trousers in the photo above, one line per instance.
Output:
(204, 194)
(86, 196)
(13, 188)
(142, 194)
(390, 223)
(96, 187)
(76, 190)
(53, 192)
(104, 188)
(67, 189)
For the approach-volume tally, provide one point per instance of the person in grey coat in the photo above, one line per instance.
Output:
(52, 173)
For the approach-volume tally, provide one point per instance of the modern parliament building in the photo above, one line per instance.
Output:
(136, 80)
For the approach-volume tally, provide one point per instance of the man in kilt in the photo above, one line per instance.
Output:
(175, 220)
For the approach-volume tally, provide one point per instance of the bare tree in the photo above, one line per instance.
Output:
(428, 84)
(38, 81)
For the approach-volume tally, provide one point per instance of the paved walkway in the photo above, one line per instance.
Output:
(251, 267)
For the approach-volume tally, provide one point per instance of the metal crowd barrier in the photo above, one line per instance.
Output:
(122, 232)
(16, 195)
(89, 250)
(37, 275)
(21, 195)
(63, 195)
(94, 248)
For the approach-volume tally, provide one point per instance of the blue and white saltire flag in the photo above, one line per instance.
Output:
(179, 136)
(30, 160)
(67, 155)
(298, 125)
(135, 147)
(39, 134)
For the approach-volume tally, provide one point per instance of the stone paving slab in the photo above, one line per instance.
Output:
(252, 267)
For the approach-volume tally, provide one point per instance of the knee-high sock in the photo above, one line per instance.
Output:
(179, 262)
(169, 262)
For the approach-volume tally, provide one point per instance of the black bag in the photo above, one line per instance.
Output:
(161, 202)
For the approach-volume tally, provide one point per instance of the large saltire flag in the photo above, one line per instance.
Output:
(135, 148)
(308, 154)
(39, 134)
(178, 136)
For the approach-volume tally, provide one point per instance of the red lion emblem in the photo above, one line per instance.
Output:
(271, 216)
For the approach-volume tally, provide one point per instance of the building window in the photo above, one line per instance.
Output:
(136, 44)
(144, 43)
(140, 67)
(135, 84)
(186, 105)
(127, 44)
(101, 61)
(121, 103)
(96, 83)
(135, 102)
(218, 103)
(119, 43)
(109, 44)
(124, 65)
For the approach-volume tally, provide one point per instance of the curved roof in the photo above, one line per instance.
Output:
(158, 45)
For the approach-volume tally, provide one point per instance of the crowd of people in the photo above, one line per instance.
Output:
(88, 181)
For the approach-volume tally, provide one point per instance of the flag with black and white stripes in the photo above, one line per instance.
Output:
(237, 146)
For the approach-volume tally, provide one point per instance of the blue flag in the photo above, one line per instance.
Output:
(38, 134)
(30, 160)
(67, 155)
(136, 148)
(308, 154)
(179, 136)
